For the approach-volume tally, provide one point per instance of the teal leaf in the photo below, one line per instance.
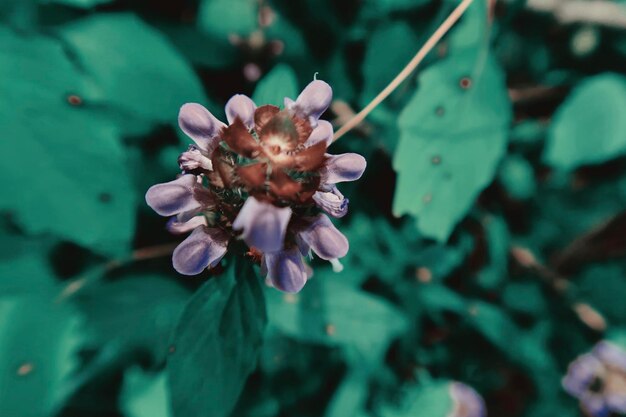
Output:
(83, 4)
(222, 18)
(376, 75)
(451, 141)
(216, 344)
(144, 394)
(25, 266)
(518, 178)
(138, 72)
(137, 313)
(39, 342)
(432, 399)
(74, 149)
(589, 126)
(279, 83)
(331, 312)
(498, 242)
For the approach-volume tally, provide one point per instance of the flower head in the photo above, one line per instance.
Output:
(598, 380)
(264, 178)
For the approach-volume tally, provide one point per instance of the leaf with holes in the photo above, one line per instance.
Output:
(144, 80)
(452, 136)
(63, 169)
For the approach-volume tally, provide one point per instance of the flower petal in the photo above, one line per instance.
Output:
(324, 238)
(332, 202)
(240, 140)
(611, 354)
(312, 101)
(580, 374)
(286, 270)
(243, 107)
(322, 133)
(343, 167)
(264, 225)
(176, 226)
(200, 125)
(203, 248)
(174, 197)
(594, 404)
(193, 159)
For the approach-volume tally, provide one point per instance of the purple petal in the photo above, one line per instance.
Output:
(176, 226)
(193, 159)
(581, 373)
(312, 101)
(594, 404)
(243, 107)
(324, 238)
(200, 125)
(332, 202)
(343, 167)
(610, 354)
(616, 401)
(264, 225)
(466, 401)
(173, 197)
(203, 248)
(323, 132)
(286, 270)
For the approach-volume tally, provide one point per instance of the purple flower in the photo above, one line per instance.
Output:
(598, 380)
(262, 178)
(466, 402)
(263, 225)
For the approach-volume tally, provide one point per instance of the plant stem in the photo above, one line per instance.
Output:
(406, 71)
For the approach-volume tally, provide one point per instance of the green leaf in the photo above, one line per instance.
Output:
(82, 190)
(222, 18)
(83, 4)
(279, 83)
(332, 312)
(432, 399)
(25, 266)
(144, 394)
(498, 237)
(39, 341)
(525, 297)
(374, 8)
(451, 141)
(136, 69)
(216, 344)
(517, 177)
(138, 313)
(603, 287)
(376, 75)
(589, 126)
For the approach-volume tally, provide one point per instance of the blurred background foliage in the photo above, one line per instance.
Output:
(487, 236)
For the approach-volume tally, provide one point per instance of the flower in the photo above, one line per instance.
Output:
(264, 178)
(598, 380)
(466, 402)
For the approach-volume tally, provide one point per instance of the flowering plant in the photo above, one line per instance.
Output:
(265, 178)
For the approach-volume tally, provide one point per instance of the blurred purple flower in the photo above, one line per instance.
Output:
(598, 380)
(466, 402)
